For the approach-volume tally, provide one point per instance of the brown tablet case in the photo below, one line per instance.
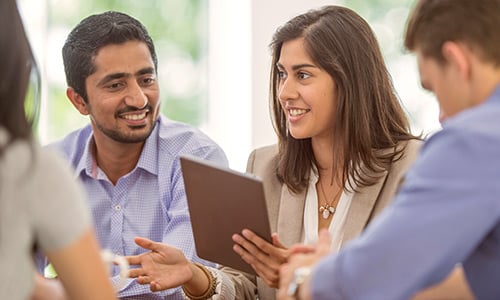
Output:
(223, 202)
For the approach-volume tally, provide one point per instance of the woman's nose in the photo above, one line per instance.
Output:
(287, 90)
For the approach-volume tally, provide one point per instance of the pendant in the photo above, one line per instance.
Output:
(326, 211)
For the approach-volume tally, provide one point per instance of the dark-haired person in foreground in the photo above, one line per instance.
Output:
(448, 210)
(35, 185)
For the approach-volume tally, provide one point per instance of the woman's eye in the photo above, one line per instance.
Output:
(281, 74)
(303, 75)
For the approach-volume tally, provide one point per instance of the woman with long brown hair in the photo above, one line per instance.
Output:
(344, 144)
(344, 140)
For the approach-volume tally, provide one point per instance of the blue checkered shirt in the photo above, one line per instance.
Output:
(149, 201)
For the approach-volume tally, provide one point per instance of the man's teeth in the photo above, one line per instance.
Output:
(135, 117)
(297, 112)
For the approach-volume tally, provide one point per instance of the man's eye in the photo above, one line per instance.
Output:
(114, 86)
(149, 80)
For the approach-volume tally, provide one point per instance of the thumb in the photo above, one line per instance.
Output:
(147, 243)
(276, 241)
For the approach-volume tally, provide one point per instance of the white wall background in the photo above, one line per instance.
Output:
(239, 62)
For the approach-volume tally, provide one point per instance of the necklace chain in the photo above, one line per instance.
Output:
(327, 209)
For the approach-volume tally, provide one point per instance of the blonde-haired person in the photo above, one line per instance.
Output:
(447, 211)
(41, 207)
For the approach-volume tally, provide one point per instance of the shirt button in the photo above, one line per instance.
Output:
(118, 207)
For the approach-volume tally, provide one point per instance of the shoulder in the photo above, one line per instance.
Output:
(411, 149)
(465, 145)
(180, 137)
(263, 158)
(73, 145)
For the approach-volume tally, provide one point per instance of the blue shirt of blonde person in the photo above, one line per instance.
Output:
(149, 201)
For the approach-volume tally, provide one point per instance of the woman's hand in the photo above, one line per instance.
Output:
(163, 267)
(265, 258)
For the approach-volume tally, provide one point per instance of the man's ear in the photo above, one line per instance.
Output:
(77, 101)
(457, 56)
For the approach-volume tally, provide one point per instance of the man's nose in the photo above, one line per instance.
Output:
(135, 96)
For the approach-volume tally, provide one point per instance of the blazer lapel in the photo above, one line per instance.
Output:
(291, 216)
(361, 209)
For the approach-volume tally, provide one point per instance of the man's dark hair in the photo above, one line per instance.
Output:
(93, 33)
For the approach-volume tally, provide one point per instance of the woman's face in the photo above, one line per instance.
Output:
(307, 93)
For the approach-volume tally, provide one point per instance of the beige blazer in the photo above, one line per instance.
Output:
(286, 209)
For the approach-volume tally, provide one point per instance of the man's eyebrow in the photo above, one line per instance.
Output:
(111, 77)
(148, 70)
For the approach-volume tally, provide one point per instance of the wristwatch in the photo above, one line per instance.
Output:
(299, 276)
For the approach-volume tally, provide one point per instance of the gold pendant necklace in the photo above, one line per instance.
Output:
(327, 209)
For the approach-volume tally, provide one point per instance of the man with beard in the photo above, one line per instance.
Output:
(127, 157)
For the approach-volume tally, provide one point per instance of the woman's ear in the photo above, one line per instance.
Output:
(457, 56)
(78, 102)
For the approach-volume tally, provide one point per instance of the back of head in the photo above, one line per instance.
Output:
(93, 33)
(473, 22)
(16, 62)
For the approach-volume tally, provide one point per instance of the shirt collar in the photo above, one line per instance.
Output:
(148, 160)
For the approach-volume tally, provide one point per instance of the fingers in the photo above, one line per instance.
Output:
(301, 248)
(269, 276)
(253, 254)
(276, 241)
(146, 243)
(260, 248)
(260, 242)
(143, 279)
(265, 265)
(134, 273)
(245, 254)
(134, 260)
(285, 278)
(154, 286)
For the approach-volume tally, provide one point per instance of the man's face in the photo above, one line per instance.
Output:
(123, 94)
(444, 81)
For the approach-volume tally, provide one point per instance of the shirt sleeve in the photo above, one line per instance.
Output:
(179, 226)
(417, 240)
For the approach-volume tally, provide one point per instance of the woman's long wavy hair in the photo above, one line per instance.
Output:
(369, 118)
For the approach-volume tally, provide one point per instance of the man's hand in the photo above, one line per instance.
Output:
(163, 267)
(302, 258)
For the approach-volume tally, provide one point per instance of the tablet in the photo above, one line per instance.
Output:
(223, 202)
